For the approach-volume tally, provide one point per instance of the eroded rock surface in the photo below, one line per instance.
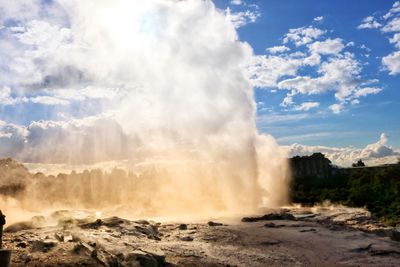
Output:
(289, 237)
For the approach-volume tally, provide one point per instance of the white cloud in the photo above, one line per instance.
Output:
(327, 47)
(395, 9)
(392, 26)
(5, 97)
(21, 10)
(336, 108)
(395, 40)
(303, 35)
(392, 62)
(369, 23)
(306, 106)
(278, 49)
(373, 154)
(266, 70)
(340, 74)
(336, 70)
(390, 23)
(242, 18)
(319, 18)
(367, 91)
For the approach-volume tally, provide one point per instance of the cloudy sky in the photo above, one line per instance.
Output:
(326, 73)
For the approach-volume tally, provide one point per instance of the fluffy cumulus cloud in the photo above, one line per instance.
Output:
(243, 17)
(278, 49)
(302, 36)
(388, 24)
(310, 63)
(369, 23)
(373, 154)
(392, 62)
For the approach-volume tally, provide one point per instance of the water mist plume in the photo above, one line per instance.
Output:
(183, 119)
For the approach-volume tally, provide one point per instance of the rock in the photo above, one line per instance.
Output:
(186, 238)
(84, 248)
(270, 243)
(150, 231)
(395, 234)
(59, 237)
(25, 257)
(379, 252)
(21, 245)
(272, 225)
(157, 254)
(68, 238)
(16, 227)
(42, 246)
(93, 225)
(143, 258)
(362, 249)
(308, 230)
(105, 258)
(270, 216)
(144, 222)
(183, 226)
(212, 224)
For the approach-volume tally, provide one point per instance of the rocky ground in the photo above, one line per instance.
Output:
(285, 237)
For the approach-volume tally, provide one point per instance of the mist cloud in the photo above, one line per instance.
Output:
(186, 108)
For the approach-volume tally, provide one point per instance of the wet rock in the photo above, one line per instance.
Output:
(42, 246)
(270, 217)
(183, 227)
(212, 224)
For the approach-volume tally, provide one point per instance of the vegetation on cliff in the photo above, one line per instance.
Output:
(377, 189)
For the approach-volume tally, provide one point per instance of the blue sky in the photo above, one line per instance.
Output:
(357, 124)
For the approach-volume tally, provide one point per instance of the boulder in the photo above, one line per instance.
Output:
(183, 226)
(212, 224)
(270, 217)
